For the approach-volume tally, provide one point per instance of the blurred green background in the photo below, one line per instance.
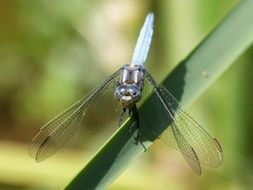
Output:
(53, 52)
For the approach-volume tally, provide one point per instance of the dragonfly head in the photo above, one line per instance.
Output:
(128, 94)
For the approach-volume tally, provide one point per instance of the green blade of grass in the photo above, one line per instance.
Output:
(187, 82)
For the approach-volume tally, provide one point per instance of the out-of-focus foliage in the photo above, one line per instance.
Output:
(53, 52)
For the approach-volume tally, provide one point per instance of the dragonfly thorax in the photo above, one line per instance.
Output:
(130, 84)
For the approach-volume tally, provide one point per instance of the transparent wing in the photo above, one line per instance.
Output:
(188, 151)
(144, 41)
(183, 133)
(95, 110)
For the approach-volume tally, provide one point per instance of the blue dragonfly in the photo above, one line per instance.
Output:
(127, 87)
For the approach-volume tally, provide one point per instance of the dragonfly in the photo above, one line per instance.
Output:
(126, 88)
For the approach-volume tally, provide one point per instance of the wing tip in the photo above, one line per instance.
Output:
(197, 169)
(219, 150)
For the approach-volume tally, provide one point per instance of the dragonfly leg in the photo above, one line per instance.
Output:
(131, 129)
(135, 116)
(138, 139)
(122, 116)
